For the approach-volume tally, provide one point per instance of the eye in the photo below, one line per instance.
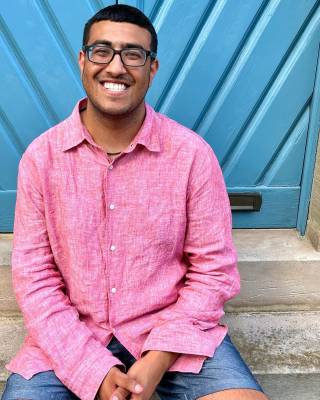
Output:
(133, 54)
(101, 51)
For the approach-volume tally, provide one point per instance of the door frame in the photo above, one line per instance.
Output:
(310, 154)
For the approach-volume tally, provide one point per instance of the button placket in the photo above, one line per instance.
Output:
(112, 251)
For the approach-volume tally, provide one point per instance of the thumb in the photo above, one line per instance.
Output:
(120, 394)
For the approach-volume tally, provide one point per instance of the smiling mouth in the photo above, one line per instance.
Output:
(115, 87)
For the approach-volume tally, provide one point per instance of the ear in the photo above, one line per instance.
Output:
(81, 60)
(154, 66)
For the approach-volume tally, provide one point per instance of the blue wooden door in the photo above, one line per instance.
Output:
(240, 73)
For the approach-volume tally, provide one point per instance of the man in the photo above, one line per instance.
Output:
(122, 255)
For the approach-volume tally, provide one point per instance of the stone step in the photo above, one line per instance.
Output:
(291, 387)
(279, 272)
(270, 342)
(265, 286)
(282, 349)
(5, 248)
(8, 304)
(275, 321)
(278, 342)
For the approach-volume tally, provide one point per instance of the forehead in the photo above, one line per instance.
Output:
(119, 34)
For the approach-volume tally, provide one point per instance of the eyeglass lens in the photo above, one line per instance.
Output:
(104, 55)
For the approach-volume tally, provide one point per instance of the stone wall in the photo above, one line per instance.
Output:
(313, 227)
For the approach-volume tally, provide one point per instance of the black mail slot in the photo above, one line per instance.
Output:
(245, 201)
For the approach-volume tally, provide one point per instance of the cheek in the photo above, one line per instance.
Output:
(145, 80)
(88, 83)
(84, 77)
(88, 74)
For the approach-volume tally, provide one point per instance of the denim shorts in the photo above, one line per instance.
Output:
(226, 370)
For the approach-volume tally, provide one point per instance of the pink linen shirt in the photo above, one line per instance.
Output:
(139, 247)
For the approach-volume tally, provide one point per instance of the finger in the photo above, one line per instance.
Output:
(135, 397)
(120, 394)
(126, 382)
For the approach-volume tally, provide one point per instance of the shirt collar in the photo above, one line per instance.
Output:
(148, 135)
(74, 133)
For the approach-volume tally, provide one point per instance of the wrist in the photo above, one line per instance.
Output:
(164, 359)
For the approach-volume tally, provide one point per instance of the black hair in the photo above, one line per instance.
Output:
(122, 13)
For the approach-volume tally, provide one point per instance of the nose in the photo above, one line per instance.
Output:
(116, 66)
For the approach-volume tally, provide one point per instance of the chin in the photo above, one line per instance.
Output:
(114, 112)
(117, 110)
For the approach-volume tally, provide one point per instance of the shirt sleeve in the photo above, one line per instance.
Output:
(191, 325)
(79, 360)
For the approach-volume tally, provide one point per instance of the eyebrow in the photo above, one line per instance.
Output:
(125, 45)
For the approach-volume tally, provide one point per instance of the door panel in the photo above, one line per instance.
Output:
(241, 74)
(244, 80)
(272, 121)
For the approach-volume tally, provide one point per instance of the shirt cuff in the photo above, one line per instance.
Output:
(194, 344)
(87, 389)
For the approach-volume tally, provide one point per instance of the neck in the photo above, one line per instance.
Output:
(112, 132)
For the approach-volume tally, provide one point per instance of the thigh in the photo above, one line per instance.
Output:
(225, 370)
(42, 386)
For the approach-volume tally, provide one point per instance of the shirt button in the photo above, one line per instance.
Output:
(112, 247)
(113, 290)
(110, 166)
(112, 206)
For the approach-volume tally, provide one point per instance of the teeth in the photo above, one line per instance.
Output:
(116, 87)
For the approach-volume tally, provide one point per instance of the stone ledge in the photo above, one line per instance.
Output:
(313, 233)
(12, 333)
(271, 343)
(273, 245)
(2, 384)
(265, 286)
(282, 348)
(8, 302)
(252, 245)
(277, 286)
(278, 342)
(271, 262)
(5, 248)
(291, 386)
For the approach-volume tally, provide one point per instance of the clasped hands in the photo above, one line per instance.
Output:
(141, 380)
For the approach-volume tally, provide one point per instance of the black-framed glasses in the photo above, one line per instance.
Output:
(131, 57)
